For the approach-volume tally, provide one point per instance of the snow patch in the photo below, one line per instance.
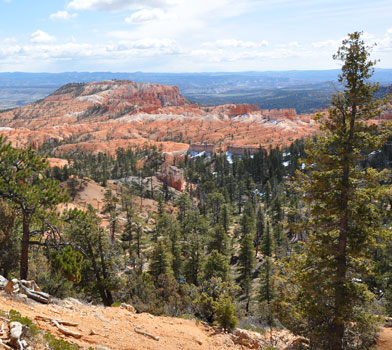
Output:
(90, 98)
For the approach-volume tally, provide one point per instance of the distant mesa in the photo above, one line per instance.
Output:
(103, 116)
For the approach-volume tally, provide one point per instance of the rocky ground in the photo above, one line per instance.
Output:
(97, 327)
(122, 328)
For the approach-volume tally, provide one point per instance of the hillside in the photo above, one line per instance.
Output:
(305, 91)
(114, 328)
(100, 117)
(117, 328)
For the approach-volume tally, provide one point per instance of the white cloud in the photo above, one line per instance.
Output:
(41, 37)
(326, 44)
(10, 40)
(149, 15)
(125, 50)
(118, 5)
(64, 15)
(233, 43)
(385, 43)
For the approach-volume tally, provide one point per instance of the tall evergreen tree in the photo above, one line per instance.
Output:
(246, 266)
(225, 217)
(259, 228)
(343, 216)
(216, 265)
(219, 240)
(160, 260)
(267, 243)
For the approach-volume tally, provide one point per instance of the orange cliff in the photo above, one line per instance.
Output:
(102, 116)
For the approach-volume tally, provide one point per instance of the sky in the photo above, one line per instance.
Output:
(186, 35)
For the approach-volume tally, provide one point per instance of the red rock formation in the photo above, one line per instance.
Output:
(241, 150)
(173, 176)
(199, 147)
(100, 117)
(279, 114)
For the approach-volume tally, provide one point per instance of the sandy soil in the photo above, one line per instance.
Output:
(385, 339)
(115, 327)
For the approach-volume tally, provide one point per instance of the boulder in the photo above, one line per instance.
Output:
(244, 338)
(3, 282)
(128, 307)
(15, 335)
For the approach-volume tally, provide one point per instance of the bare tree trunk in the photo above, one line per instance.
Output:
(24, 258)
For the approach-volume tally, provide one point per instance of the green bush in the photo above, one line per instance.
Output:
(225, 313)
(32, 329)
(58, 344)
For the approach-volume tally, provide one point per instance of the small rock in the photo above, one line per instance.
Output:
(128, 307)
(3, 282)
(198, 341)
(244, 338)
(388, 322)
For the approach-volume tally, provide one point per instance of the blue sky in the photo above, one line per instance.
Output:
(186, 35)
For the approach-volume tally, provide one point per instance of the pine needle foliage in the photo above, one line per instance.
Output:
(328, 302)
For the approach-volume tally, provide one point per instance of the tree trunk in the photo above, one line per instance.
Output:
(24, 258)
(341, 259)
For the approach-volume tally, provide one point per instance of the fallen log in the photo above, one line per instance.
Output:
(65, 323)
(5, 346)
(41, 297)
(66, 331)
(146, 334)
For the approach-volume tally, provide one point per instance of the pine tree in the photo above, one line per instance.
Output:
(343, 217)
(110, 204)
(216, 265)
(83, 231)
(225, 217)
(8, 244)
(160, 260)
(267, 243)
(23, 181)
(267, 293)
(259, 228)
(246, 266)
(215, 201)
(219, 240)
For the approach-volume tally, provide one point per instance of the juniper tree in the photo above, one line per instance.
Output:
(343, 218)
